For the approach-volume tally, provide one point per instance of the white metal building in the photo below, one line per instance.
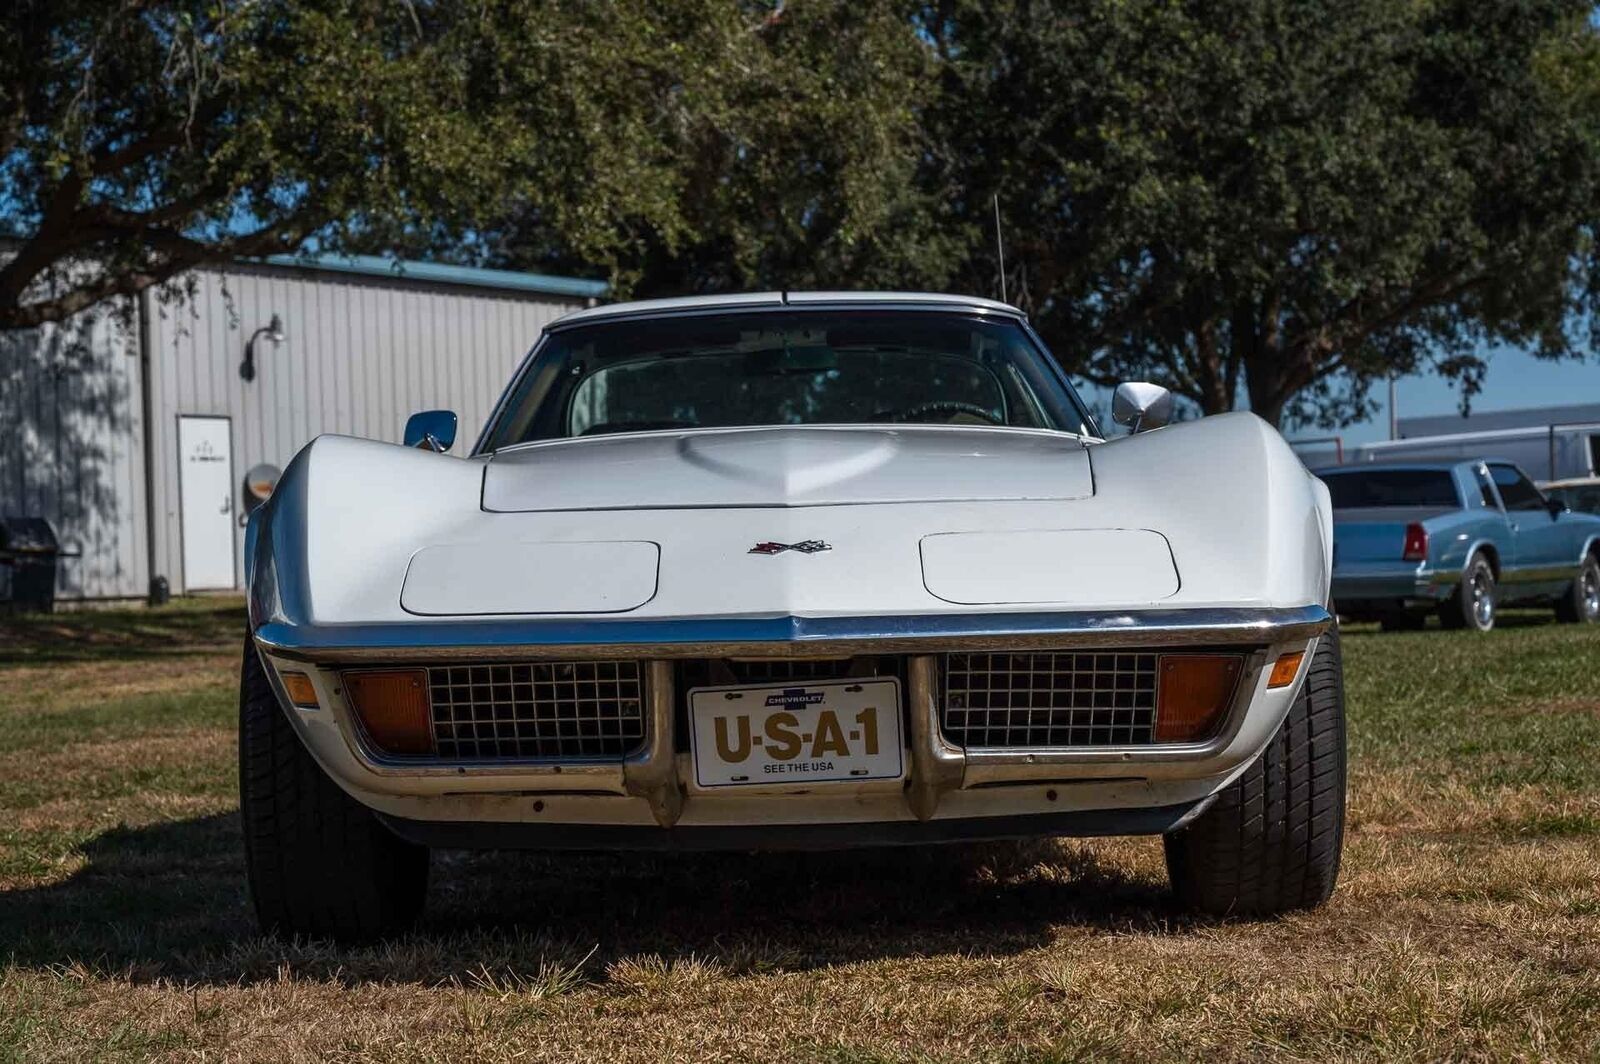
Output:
(131, 428)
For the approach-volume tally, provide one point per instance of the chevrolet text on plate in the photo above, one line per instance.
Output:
(798, 570)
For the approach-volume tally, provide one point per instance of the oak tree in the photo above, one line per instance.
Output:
(1278, 203)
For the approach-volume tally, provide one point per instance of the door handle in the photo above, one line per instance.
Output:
(227, 505)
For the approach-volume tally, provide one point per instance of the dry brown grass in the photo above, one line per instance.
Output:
(70, 687)
(1466, 925)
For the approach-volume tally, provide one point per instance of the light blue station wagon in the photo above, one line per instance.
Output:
(1459, 539)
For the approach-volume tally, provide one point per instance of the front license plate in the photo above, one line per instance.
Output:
(787, 733)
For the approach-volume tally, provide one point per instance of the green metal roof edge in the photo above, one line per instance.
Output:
(402, 269)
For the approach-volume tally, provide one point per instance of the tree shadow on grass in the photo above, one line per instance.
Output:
(1504, 618)
(1525, 617)
(169, 902)
(188, 627)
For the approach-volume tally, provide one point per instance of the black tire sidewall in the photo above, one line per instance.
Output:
(1464, 594)
(1271, 840)
(1571, 607)
(318, 862)
(1592, 564)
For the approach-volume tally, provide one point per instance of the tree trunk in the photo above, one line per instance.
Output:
(1265, 379)
(1210, 372)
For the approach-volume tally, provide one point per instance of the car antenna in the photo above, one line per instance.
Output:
(999, 246)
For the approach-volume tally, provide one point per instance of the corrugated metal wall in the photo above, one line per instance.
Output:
(360, 355)
(70, 445)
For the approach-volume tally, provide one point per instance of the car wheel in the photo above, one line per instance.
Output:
(1473, 603)
(318, 862)
(1581, 602)
(1270, 843)
(1402, 622)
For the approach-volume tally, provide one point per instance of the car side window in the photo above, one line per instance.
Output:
(1517, 490)
(1485, 488)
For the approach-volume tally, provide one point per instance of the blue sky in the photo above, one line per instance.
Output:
(1515, 380)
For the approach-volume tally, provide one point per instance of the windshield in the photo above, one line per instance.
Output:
(786, 368)
(1392, 487)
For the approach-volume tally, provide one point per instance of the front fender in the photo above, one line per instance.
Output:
(341, 521)
(1247, 522)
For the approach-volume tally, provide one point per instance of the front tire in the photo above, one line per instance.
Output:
(1271, 841)
(318, 862)
(1474, 602)
(1581, 602)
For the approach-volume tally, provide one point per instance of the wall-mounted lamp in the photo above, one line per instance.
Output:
(273, 331)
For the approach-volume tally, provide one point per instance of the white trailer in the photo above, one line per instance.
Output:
(1547, 452)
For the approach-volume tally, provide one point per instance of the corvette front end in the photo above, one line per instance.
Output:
(1032, 654)
(606, 629)
(534, 740)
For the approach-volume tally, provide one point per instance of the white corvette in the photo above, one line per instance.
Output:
(790, 570)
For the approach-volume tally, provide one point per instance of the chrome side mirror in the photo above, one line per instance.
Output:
(431, 430)
(1141, 406)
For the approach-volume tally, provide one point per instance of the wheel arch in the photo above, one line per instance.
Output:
(1489, 551)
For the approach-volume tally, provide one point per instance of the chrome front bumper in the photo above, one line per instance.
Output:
(782, 636)
(944, 780)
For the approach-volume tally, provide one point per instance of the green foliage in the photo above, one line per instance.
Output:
(1248, 200)
(696, 144)
(1280, 200)
(744, 146)
(138, 139)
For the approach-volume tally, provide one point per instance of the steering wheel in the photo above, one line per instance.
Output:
(921, 411)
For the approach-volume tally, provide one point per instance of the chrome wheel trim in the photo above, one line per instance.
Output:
(1589, 591)
(1482, 585)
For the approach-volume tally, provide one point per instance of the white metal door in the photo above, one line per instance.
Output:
(205, 498)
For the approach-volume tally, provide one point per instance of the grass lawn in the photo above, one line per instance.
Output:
(1466, 924)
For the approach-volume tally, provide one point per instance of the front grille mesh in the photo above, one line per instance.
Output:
(1050, 698)
(595, 709)
(557, 709)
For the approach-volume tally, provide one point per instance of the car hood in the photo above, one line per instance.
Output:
(767, 467)
(1217, 512)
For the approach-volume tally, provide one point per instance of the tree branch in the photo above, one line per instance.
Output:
(49, 243)
(107, 160)
(177, 253)
(1323, 352)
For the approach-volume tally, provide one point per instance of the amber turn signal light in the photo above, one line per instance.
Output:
(1193, 693)
(1285, 669)
(299, 688)
(393, 707)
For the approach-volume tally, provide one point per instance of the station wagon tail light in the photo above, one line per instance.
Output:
(1193, 693)
(299, 688)
(394, 709)
(1416, 543)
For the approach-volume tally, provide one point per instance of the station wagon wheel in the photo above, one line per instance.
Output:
(1581, 602)
(1472, 605)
